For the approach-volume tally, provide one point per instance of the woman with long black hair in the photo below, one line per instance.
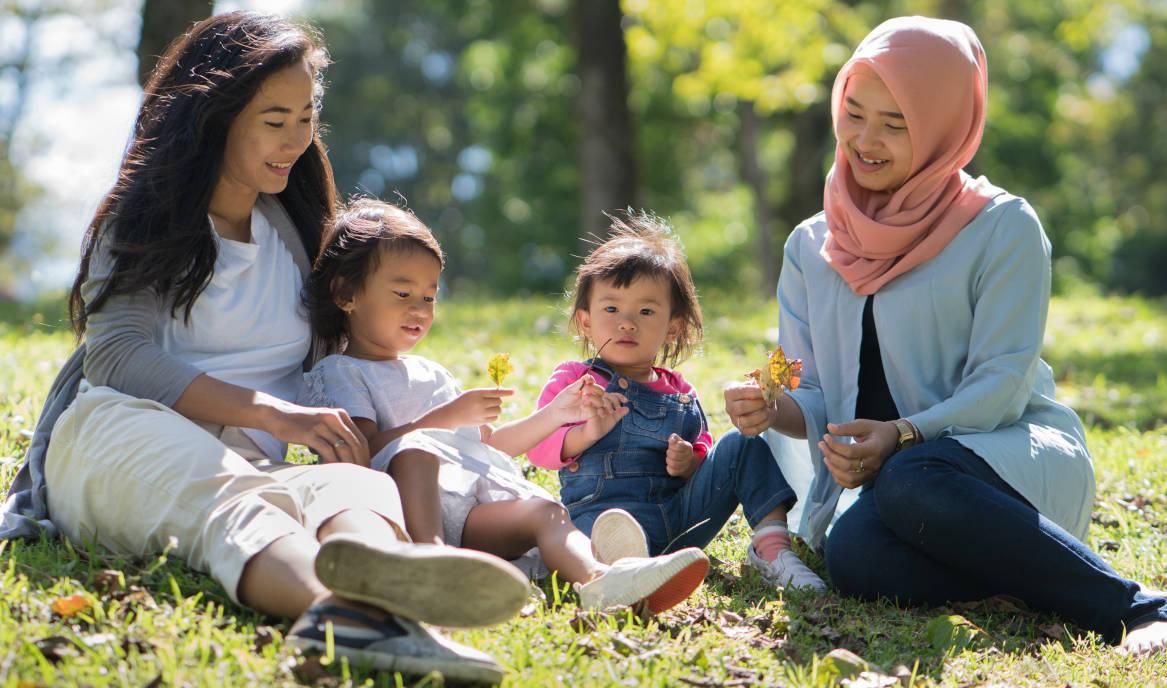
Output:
(168, 426)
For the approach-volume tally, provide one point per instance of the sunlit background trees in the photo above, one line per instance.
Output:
(510, 125)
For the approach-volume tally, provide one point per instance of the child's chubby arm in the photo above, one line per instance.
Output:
(578, 402)
(470, 408)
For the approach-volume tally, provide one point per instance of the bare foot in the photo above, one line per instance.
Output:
(1145, 640)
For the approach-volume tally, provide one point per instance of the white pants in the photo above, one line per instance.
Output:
(131, 474)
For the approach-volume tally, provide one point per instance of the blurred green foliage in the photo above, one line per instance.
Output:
(467, 110)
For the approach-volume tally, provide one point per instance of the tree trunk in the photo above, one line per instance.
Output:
(755, 177)
(607, 154)
(813, 142)
(162, 22)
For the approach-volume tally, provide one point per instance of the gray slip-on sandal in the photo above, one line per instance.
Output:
(392, 644)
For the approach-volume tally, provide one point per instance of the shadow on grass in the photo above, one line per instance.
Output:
(894, 638)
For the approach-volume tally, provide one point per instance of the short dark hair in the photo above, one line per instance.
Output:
(640, 245)
(364, 231)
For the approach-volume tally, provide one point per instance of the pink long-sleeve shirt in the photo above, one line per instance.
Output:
(549, 452)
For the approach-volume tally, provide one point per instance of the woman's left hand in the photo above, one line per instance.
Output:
(852, 465)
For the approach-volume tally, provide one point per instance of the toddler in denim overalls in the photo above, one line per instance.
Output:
(641, 477)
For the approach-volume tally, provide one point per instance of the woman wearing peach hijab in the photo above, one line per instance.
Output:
(917, 301)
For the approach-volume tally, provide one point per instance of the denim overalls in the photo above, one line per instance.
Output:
(626, 469)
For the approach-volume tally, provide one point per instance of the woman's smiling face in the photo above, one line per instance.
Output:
(271, 133)
(874, 134)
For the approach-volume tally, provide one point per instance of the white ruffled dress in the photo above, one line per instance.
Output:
(395, 392)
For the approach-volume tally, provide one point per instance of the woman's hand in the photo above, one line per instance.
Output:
(329, 432)
(852, 465)
(747, 409)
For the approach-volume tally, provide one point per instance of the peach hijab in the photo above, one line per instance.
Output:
(936, 71)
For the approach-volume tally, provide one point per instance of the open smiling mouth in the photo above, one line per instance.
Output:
(870, 164)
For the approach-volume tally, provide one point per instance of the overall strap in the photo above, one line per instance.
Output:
(701, 412)
(600, 365)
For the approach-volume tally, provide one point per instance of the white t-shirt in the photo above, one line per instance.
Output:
(389, 393)
(248, 328)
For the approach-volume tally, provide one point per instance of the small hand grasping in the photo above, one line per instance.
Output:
(594, 359)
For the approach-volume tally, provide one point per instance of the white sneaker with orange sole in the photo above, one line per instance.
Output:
(659, 582)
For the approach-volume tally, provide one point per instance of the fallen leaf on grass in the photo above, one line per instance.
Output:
(71, 605)
(625, 645)
(264, 636)
(57, 648)
(741, 672)
(107, 581)
(997, 604)
(724, 571)
(1055, 631)
(135, 596)
(727, 617)
(311, 670)
(589, 647)
(952, 631)
(142, 646)
(847, 664)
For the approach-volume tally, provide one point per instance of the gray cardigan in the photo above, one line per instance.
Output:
(119, 351)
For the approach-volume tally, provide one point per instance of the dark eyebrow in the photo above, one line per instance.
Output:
(886, 113)
(283, 110)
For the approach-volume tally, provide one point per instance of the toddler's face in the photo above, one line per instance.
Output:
(636, 318)
(394, 309)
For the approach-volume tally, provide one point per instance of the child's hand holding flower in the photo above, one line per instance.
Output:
(472, 408)
(680, 461)
(582, 400)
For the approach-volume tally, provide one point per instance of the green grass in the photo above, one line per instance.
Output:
(155, 621)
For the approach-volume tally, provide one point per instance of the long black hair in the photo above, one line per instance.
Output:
(153, 222)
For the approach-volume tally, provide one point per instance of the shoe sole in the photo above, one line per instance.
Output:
(442, 586)
(616, 534)
(465, 670)
(678, 588)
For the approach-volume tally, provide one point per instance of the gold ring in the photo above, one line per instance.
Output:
(860, 465)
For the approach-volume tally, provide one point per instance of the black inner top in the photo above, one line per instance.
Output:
(874, 402)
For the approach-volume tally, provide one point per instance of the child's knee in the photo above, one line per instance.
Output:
(546, 510)
(413, 462)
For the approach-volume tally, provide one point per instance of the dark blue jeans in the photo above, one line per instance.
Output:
(939, 525)
(738, 470)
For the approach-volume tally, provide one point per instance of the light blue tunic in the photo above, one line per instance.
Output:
(960, 338)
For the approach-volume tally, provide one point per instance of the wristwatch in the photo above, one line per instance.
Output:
(908, 433)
